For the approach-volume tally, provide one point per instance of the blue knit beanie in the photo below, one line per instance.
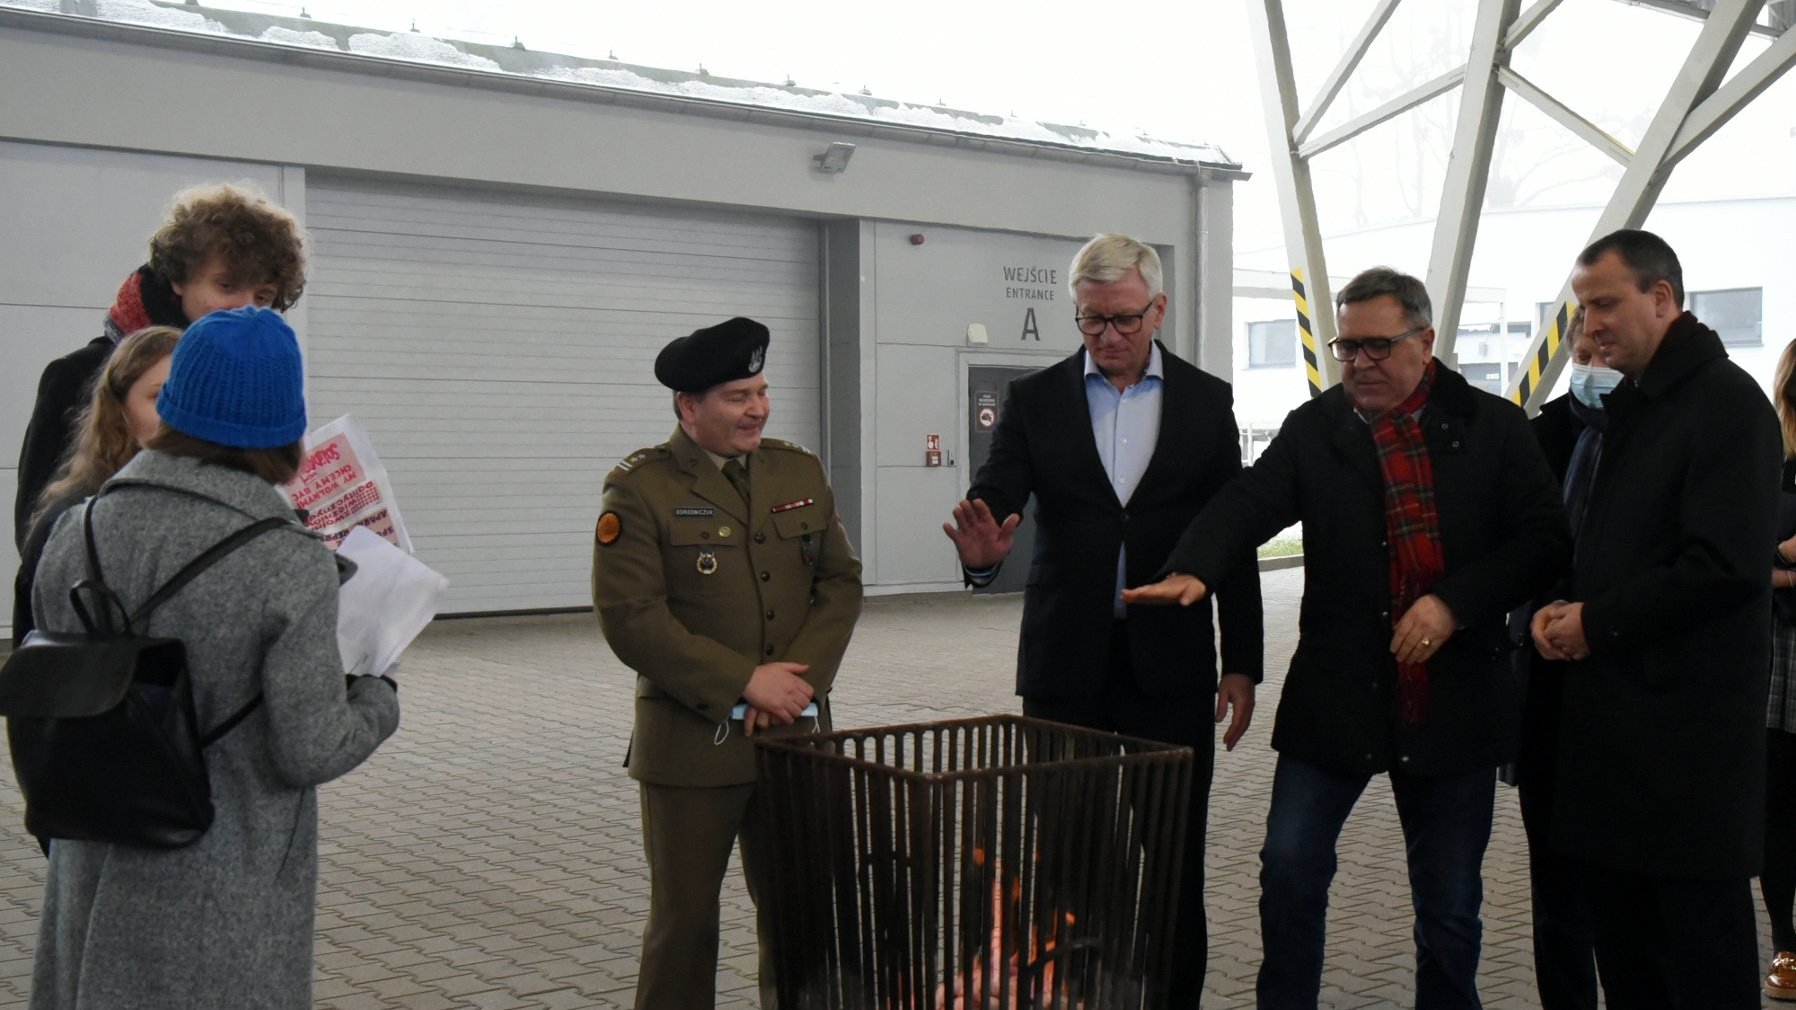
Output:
(237, 380)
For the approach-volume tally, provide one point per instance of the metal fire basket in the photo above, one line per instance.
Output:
(996, 863)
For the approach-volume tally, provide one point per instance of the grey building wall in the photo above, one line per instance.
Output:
(106, 122)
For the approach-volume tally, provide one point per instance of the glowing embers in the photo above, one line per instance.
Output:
(982, 864)
(1010, 978)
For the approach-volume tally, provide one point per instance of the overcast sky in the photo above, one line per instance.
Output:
(1175, 69)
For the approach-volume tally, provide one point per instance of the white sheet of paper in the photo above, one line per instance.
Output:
(388, 601)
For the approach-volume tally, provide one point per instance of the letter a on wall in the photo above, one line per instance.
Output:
(1029, 327)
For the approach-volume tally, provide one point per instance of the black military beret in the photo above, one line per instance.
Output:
(731, 350)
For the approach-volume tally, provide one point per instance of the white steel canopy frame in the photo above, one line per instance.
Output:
(1695, 105)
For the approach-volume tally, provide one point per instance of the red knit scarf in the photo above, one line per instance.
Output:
(128, 311)
(1412, 525)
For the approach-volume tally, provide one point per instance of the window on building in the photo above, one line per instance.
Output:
(1738, 314)
(1478, 342)
(1486, 375)
(1272, 344)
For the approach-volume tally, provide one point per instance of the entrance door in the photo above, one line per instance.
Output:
(985, 398)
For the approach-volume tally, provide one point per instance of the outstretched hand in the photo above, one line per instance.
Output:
(1178, 588)
(980, 540)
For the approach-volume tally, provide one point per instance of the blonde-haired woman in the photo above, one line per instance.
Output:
(1777, 882)
(119, 416)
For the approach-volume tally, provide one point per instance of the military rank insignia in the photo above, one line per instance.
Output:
(609, 529)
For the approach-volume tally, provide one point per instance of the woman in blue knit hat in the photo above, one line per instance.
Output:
(227, 921)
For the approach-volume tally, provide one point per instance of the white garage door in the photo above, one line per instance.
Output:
(499, 348)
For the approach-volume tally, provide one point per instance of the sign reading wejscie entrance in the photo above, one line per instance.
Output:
(1030, 284)
(1035, 284)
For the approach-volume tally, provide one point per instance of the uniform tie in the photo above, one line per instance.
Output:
(738, 475)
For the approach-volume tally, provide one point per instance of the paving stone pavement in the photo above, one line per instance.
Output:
(488, 855)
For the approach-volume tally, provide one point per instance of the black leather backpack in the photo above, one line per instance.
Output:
(105, 742)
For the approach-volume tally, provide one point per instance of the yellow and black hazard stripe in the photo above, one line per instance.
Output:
(1544, 353)
(1306, 335)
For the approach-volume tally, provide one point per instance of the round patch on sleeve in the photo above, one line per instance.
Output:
(610, 528)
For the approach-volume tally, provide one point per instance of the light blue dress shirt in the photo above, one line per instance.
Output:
(1125, 424)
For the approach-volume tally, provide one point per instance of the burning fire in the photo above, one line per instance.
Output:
(1005, 981)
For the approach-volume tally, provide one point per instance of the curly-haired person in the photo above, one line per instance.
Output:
(219, 247)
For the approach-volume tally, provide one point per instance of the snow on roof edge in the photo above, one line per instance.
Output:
(610, 75)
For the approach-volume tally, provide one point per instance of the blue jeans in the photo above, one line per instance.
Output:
(1446, 825)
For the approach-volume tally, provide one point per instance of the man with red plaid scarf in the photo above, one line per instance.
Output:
(1428, 513)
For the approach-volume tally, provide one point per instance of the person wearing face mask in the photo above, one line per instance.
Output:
(1570, 430)
(1777, 878)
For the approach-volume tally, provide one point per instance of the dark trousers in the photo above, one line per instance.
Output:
(1564, 944)
(1778, 880)
(1446, 826)
(1189, 721)
(1664, 942)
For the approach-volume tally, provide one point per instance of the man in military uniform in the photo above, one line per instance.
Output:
(722, 576)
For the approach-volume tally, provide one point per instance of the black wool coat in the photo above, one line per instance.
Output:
(61, 392)
(1504, 538)
(1043, 444)
(1557, 429)
(1661, 748)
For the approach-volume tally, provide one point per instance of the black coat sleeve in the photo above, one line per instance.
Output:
(30, 553)
(1244, 514)
(1725, 511)
(60, 393)
(1533, 547)
(1240, 617)
(1007, 477)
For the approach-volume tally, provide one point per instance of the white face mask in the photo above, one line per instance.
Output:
(1590, 382)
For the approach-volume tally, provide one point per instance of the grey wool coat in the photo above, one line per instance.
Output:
(227, 921)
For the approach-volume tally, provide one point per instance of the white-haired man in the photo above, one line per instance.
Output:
(1121, 444)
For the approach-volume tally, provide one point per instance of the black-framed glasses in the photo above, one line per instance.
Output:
(1127, 323)
(1376, 348)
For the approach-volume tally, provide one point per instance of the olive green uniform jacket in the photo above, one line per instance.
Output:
(694, 589)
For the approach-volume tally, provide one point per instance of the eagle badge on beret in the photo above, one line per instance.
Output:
(733, 349)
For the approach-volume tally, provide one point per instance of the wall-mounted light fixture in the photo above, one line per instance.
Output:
(834, 158)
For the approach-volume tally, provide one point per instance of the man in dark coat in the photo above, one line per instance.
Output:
(1428, 513)
(1121, 444)
(1666, 624)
